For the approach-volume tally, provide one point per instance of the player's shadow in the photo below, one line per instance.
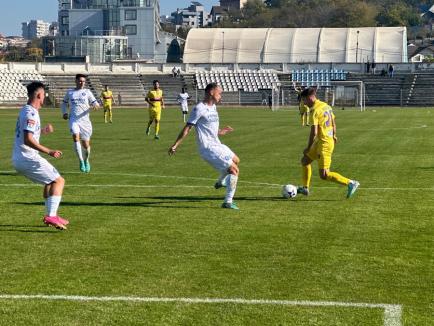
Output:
(9, 173)
(26, 228)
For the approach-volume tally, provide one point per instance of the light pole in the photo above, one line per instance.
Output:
(357, 45)
(223, 46)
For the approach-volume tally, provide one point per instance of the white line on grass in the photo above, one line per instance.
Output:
(391, 317)
(254, 184)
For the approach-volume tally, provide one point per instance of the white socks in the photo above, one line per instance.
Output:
(77, 148)
(52, 205)
(222, 178)
(231, 187)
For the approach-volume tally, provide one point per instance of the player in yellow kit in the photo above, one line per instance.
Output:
(321, 143)
(107, 100)
(156, 103)
(302, 107)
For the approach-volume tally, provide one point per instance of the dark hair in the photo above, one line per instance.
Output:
(78, 76)
(308, 92)
(155, 81)
(33, 87)
(183, 90)
(210, 87)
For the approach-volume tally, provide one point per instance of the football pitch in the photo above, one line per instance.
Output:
(148, 243)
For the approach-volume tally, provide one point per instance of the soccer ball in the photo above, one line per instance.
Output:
(289, 191)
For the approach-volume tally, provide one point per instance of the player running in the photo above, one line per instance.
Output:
(107, 100)
(302, 107)
(183, 98)
(80, 100)
(27, 161)
(156, 103)
(204, 117)
(321, 143)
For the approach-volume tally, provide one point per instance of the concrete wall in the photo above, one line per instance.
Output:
(152, 68)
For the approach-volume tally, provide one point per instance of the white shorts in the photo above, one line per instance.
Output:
(220, 157)
(39, 170)
(83, 128)
(184, 108)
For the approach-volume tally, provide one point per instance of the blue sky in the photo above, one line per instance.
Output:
(14, 12)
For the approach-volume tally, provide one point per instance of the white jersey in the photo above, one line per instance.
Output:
(183, 100)
(28, 120)
(206, 120)
(80, 101)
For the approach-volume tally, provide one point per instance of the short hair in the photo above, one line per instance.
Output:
(33, 87)
(155, 81)
(210, 87)
(183, 90)
(308, 92)
(78, 76)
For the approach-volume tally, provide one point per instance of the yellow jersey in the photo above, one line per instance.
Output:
(322, 116)
(107, 97)
(155, 96)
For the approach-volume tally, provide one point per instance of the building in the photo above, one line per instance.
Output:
(232, 4)
(35, 29)
(108, 30)
(193, 16)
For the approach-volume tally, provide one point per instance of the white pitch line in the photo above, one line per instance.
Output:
(391, 317)
(253, 185)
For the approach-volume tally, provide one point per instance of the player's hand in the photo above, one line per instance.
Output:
(335, 138)
(306, 150)
(225, 130)
(55, 154)
(65, 116)
(172, 150)
(47, 129)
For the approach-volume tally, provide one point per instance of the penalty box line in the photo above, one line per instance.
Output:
(391, 317)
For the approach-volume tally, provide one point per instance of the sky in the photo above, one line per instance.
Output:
(14, 12)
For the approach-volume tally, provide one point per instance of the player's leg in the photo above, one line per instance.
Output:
(110, 112)
(105, 114)
(306, 174)
(85, 134)
(325, 173)
(157, 123)
(151, 119)
(231, 187)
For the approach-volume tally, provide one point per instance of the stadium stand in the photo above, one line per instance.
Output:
(232, 81)
(12, 84)
(128, 85)
(317, 77)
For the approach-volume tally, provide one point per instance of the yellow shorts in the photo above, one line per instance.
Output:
(155, 114)
(107, 107)
(322, 152)
(303, 109)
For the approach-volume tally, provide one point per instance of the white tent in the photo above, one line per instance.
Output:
(296, 45)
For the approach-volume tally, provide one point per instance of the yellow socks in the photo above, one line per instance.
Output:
(336, 177)
(157, 127)
(306, 175)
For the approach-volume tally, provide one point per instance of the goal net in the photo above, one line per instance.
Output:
(275, 97)
(347, 94)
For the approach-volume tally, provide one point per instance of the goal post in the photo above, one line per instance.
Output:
(275, 96)
(348, 93)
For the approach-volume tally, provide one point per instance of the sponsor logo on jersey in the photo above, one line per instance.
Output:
(31, 123)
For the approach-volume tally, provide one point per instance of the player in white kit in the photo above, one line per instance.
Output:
(80, 100)
(27, 161)
(183, 100)
(205, 118)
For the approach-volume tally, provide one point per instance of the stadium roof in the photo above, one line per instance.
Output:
(296, 45)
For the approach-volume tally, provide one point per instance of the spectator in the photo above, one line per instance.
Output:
(391, 70)
(383, 72)
(178, 72)
(374, 67)
(368, 66)
(270, 101)
(119, 99)
(174, 72)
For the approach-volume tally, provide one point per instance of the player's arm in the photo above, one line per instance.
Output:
(31, 142)
(184, 132)
(335, 137)
(162, 101)
(64, 107)
(312, 135)
(93, 102)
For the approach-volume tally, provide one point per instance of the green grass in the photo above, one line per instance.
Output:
(167, 236)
